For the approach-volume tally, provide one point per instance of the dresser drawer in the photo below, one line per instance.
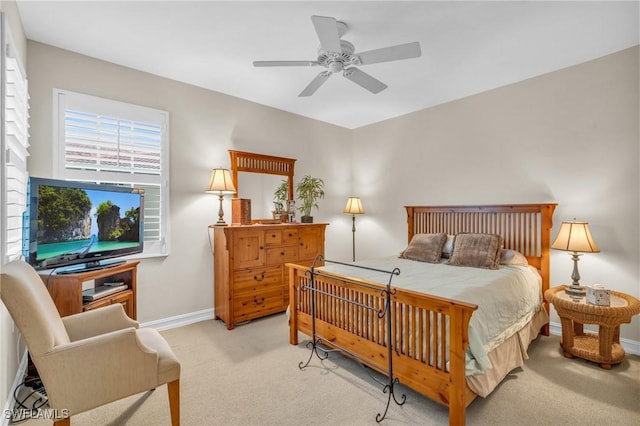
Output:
(273, 237)
(255, 305)
(125, 298)
(283, 254)
(289, 237)
(257, 279)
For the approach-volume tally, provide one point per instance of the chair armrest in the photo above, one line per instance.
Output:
(87, 373)
(97, 321)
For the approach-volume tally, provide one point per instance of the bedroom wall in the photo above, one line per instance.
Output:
(570, 137)
(203, 126)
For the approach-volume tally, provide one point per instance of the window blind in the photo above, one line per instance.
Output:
(16, 144)
(102, 143)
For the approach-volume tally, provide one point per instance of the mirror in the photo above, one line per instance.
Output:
(259, 188)
(257, 176)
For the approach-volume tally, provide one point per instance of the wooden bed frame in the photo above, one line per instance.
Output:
(418, 358)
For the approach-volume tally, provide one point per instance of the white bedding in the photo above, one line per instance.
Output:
(507, 298)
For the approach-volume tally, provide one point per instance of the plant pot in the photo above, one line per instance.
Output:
(306, 219)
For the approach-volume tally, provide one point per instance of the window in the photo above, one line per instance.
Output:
(15, 144)
(105, 141)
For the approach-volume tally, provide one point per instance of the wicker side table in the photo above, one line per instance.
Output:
(604, 347)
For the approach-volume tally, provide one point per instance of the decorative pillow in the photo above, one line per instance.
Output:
(513, 257)
(448, 246)
(425, 248)
(477, 250)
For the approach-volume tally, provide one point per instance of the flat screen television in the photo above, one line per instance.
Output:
(79, 226)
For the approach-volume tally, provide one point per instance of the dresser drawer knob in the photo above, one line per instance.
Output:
(258, 301)
(255, 277)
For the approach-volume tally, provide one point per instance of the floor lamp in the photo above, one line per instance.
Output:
(354, 207)
(221, 183)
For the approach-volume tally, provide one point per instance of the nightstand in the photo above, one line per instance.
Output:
(603, 347)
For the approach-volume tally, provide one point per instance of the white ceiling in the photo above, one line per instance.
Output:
(467, 47)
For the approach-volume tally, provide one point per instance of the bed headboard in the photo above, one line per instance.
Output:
(524, 227)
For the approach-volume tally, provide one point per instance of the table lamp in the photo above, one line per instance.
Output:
(576, 238)
(354, 207)
(221, 183)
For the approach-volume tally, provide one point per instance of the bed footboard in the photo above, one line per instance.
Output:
(425, 336)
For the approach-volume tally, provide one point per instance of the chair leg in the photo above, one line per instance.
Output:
(174, 401)
(63, 422)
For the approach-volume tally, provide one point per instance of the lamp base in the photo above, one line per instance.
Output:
(576, 291)
(221, 221)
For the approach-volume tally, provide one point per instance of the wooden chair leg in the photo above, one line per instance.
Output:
(174, 401)
(63, 422)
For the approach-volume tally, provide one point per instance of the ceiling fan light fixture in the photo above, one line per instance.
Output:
(336, 54)
(336, 66)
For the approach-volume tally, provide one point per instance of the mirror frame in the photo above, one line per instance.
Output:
(260, 163)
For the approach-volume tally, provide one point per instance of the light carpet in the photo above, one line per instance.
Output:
(250, 376)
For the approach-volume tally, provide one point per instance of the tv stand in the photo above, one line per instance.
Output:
(66, 288)
(89, 266)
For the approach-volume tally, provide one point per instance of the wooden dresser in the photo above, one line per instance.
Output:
(250, 279)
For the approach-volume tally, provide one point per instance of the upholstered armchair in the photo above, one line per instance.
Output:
(89, 359)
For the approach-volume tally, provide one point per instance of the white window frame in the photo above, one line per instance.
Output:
(65, 99)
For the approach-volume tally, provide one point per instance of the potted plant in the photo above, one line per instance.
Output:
(280, 199)
(309, 190)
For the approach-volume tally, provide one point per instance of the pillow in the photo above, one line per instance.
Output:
(513, 257)
(448, 246)
(476, 250)
(425, 248)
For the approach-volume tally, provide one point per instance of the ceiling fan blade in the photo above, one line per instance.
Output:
(327, 30)
(285, 63)
(365, 80)
(315, 84)
(392, 53)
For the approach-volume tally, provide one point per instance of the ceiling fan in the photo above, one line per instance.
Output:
(338, 55)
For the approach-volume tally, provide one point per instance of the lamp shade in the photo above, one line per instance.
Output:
(221, 182)
(354, 206)
(575, 236)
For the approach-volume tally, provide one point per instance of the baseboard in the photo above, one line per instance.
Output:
(630, 346)
(179, 320)
(10, 404)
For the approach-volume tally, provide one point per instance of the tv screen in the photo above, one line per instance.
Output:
(82, 224)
